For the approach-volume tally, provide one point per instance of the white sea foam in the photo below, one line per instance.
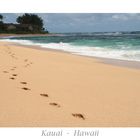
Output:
(131, 55)
(23, 42)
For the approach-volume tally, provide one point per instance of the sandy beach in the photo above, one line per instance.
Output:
(55, 89)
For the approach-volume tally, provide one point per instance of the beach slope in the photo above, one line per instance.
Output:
(51, 88)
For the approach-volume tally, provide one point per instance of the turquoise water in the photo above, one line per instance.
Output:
(116, 45)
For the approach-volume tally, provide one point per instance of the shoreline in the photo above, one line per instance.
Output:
(109, 61)
(54, 89)
(26, 35)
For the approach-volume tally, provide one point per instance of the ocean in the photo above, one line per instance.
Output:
(115, 45)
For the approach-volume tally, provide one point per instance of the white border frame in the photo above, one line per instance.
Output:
(70, 6)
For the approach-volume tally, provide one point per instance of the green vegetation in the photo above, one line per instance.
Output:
(26, 24)
(1, 24)
(1, 18)
(31, 19)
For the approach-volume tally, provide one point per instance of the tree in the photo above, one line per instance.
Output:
(31, 19)
(1, 18)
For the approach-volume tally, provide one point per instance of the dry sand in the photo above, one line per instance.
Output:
(49, 88)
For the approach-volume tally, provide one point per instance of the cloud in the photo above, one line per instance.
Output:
(120, 17)
(124, 17)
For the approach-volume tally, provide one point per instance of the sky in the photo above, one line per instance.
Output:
(85, 22)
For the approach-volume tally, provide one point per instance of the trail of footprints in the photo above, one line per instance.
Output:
(28, 63)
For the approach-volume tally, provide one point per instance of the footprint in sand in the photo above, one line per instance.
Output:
(14, 67)
(12, 55)
(27, 65)
(14, 74)
(44, 95)
(12, 78)
(23, 83)
(54, 104)
(25, 60)
(25, 88)
(5, 72)
(78, 115)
